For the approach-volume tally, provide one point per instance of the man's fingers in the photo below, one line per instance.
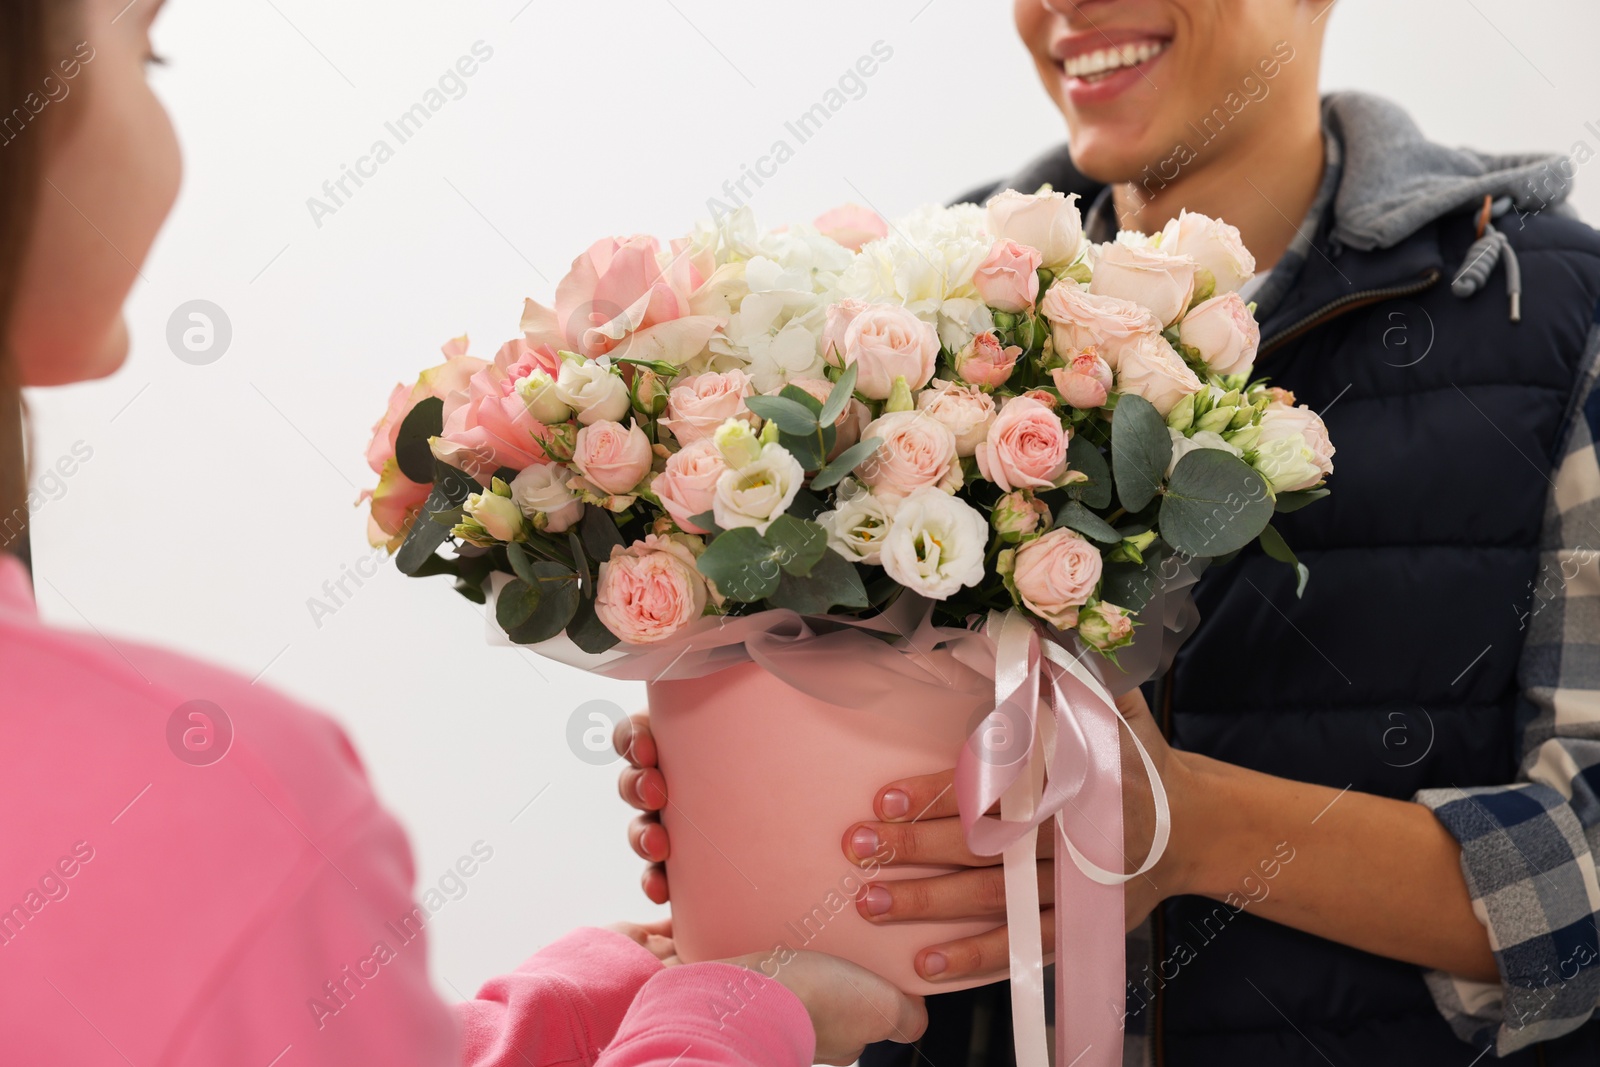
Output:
(649, 838)
(643, 789)
(988, 953)
(654, 883)
(633, 740)
(938, 842)
(927, 796)
(979, 893)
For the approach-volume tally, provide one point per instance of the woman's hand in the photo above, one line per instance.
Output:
(656, 936)
(918, 821)
(850, 1007)
(643, 787)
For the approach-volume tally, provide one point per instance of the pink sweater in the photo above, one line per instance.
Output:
(256, 910)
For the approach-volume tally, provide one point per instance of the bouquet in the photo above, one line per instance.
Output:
(917, 470)
(976, 406)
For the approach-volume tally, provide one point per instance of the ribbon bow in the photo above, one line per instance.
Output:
(1051, 751)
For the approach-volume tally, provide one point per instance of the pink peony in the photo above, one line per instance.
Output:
(688, 486)
(698, 404)
(649, 591)
(612, 458)
(1008, 278)
(1056, 574)
(985, 362)
(1085, 381)
(886, 342)
(917, 451)
(965, 410)
(1026, 447)
(851, 225)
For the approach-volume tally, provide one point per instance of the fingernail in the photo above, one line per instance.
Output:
(864, 842)
(877, 900)
(934, 963)
(896, 804)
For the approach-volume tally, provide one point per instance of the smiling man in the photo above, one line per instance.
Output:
(1384, 839)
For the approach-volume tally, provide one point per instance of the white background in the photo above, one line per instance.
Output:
(220, 498)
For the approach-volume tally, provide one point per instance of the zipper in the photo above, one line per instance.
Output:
(1348, 302)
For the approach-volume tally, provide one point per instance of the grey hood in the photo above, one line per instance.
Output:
(1396, 181)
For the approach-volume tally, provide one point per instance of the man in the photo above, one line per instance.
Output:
(1400, 802)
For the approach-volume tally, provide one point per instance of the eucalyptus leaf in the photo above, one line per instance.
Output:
(1273, 544)
(1216, 503)
(600, 533)
(833, 582)
(1288, 502)
(741, 564)
(706, 520)
(838, 397)
(517, 602)
(521, 562)
(1084, 455)
(1141, 448)
(804, 399)
(1075, 516)
(790, 415)
(425, 535)
(557, 604)
(797, 543)
(581, 562)
(807, 449)
(588, 632)
(1131, 585)
(411, 450)
(845, 462)
(473, 591)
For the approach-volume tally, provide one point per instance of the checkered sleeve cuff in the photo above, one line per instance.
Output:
(1531, 874)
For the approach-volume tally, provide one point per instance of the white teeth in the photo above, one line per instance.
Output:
(1105, 60)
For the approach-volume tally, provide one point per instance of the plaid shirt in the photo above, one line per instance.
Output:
(1529, 848)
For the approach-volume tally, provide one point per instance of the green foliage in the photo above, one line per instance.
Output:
(1140, 451)
(832, 582)
(1273, 544)
(1075, 516)
(411, 450)
(1215, 503)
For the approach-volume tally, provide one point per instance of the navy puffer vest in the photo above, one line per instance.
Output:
(1397, 670)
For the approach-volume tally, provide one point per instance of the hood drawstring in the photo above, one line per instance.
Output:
(1485, 253)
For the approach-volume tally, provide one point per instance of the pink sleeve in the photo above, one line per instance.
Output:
(713, 1015)
(561, 1007)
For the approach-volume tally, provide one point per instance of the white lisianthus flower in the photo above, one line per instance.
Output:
(935, 544)
(737, 443)
(594, 390)
(858, 525)
(538, 391)
(758, 492)
(1182, 446)
(1293, 451)
(499, 517)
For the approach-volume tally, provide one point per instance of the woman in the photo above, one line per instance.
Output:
(1359, 872)
(167, 897)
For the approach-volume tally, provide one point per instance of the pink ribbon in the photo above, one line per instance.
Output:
(1049, 752)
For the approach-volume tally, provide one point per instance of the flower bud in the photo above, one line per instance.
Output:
(490, 518)
(1019, 514)
(1181, 417)
(648, 392)
(738, 443)
(1105, 626)
(899, 396)
(538, 392)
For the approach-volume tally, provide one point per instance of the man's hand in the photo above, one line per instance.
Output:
(656, 936)
(919, 821)
(643, 787)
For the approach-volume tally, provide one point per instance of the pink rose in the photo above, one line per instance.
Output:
(1106, 627)
(489, 426)
(1212, 244)
(1026, 447)
(649, 591)
(394, 504)
(848, 426)
(698, 404)
(1084, 382)
(1048, 221)
(835, 325)
(984, 362)
(965, 410)
(618, 299)
(1008, 278)
(689, 484)
(1224, 332)
(449, 377)
(851, 225)
(612, 458)
(917, 451)
(1151, 369)
(887, 342)
(1079, 319)
(1147, 276)
(1056, 574)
